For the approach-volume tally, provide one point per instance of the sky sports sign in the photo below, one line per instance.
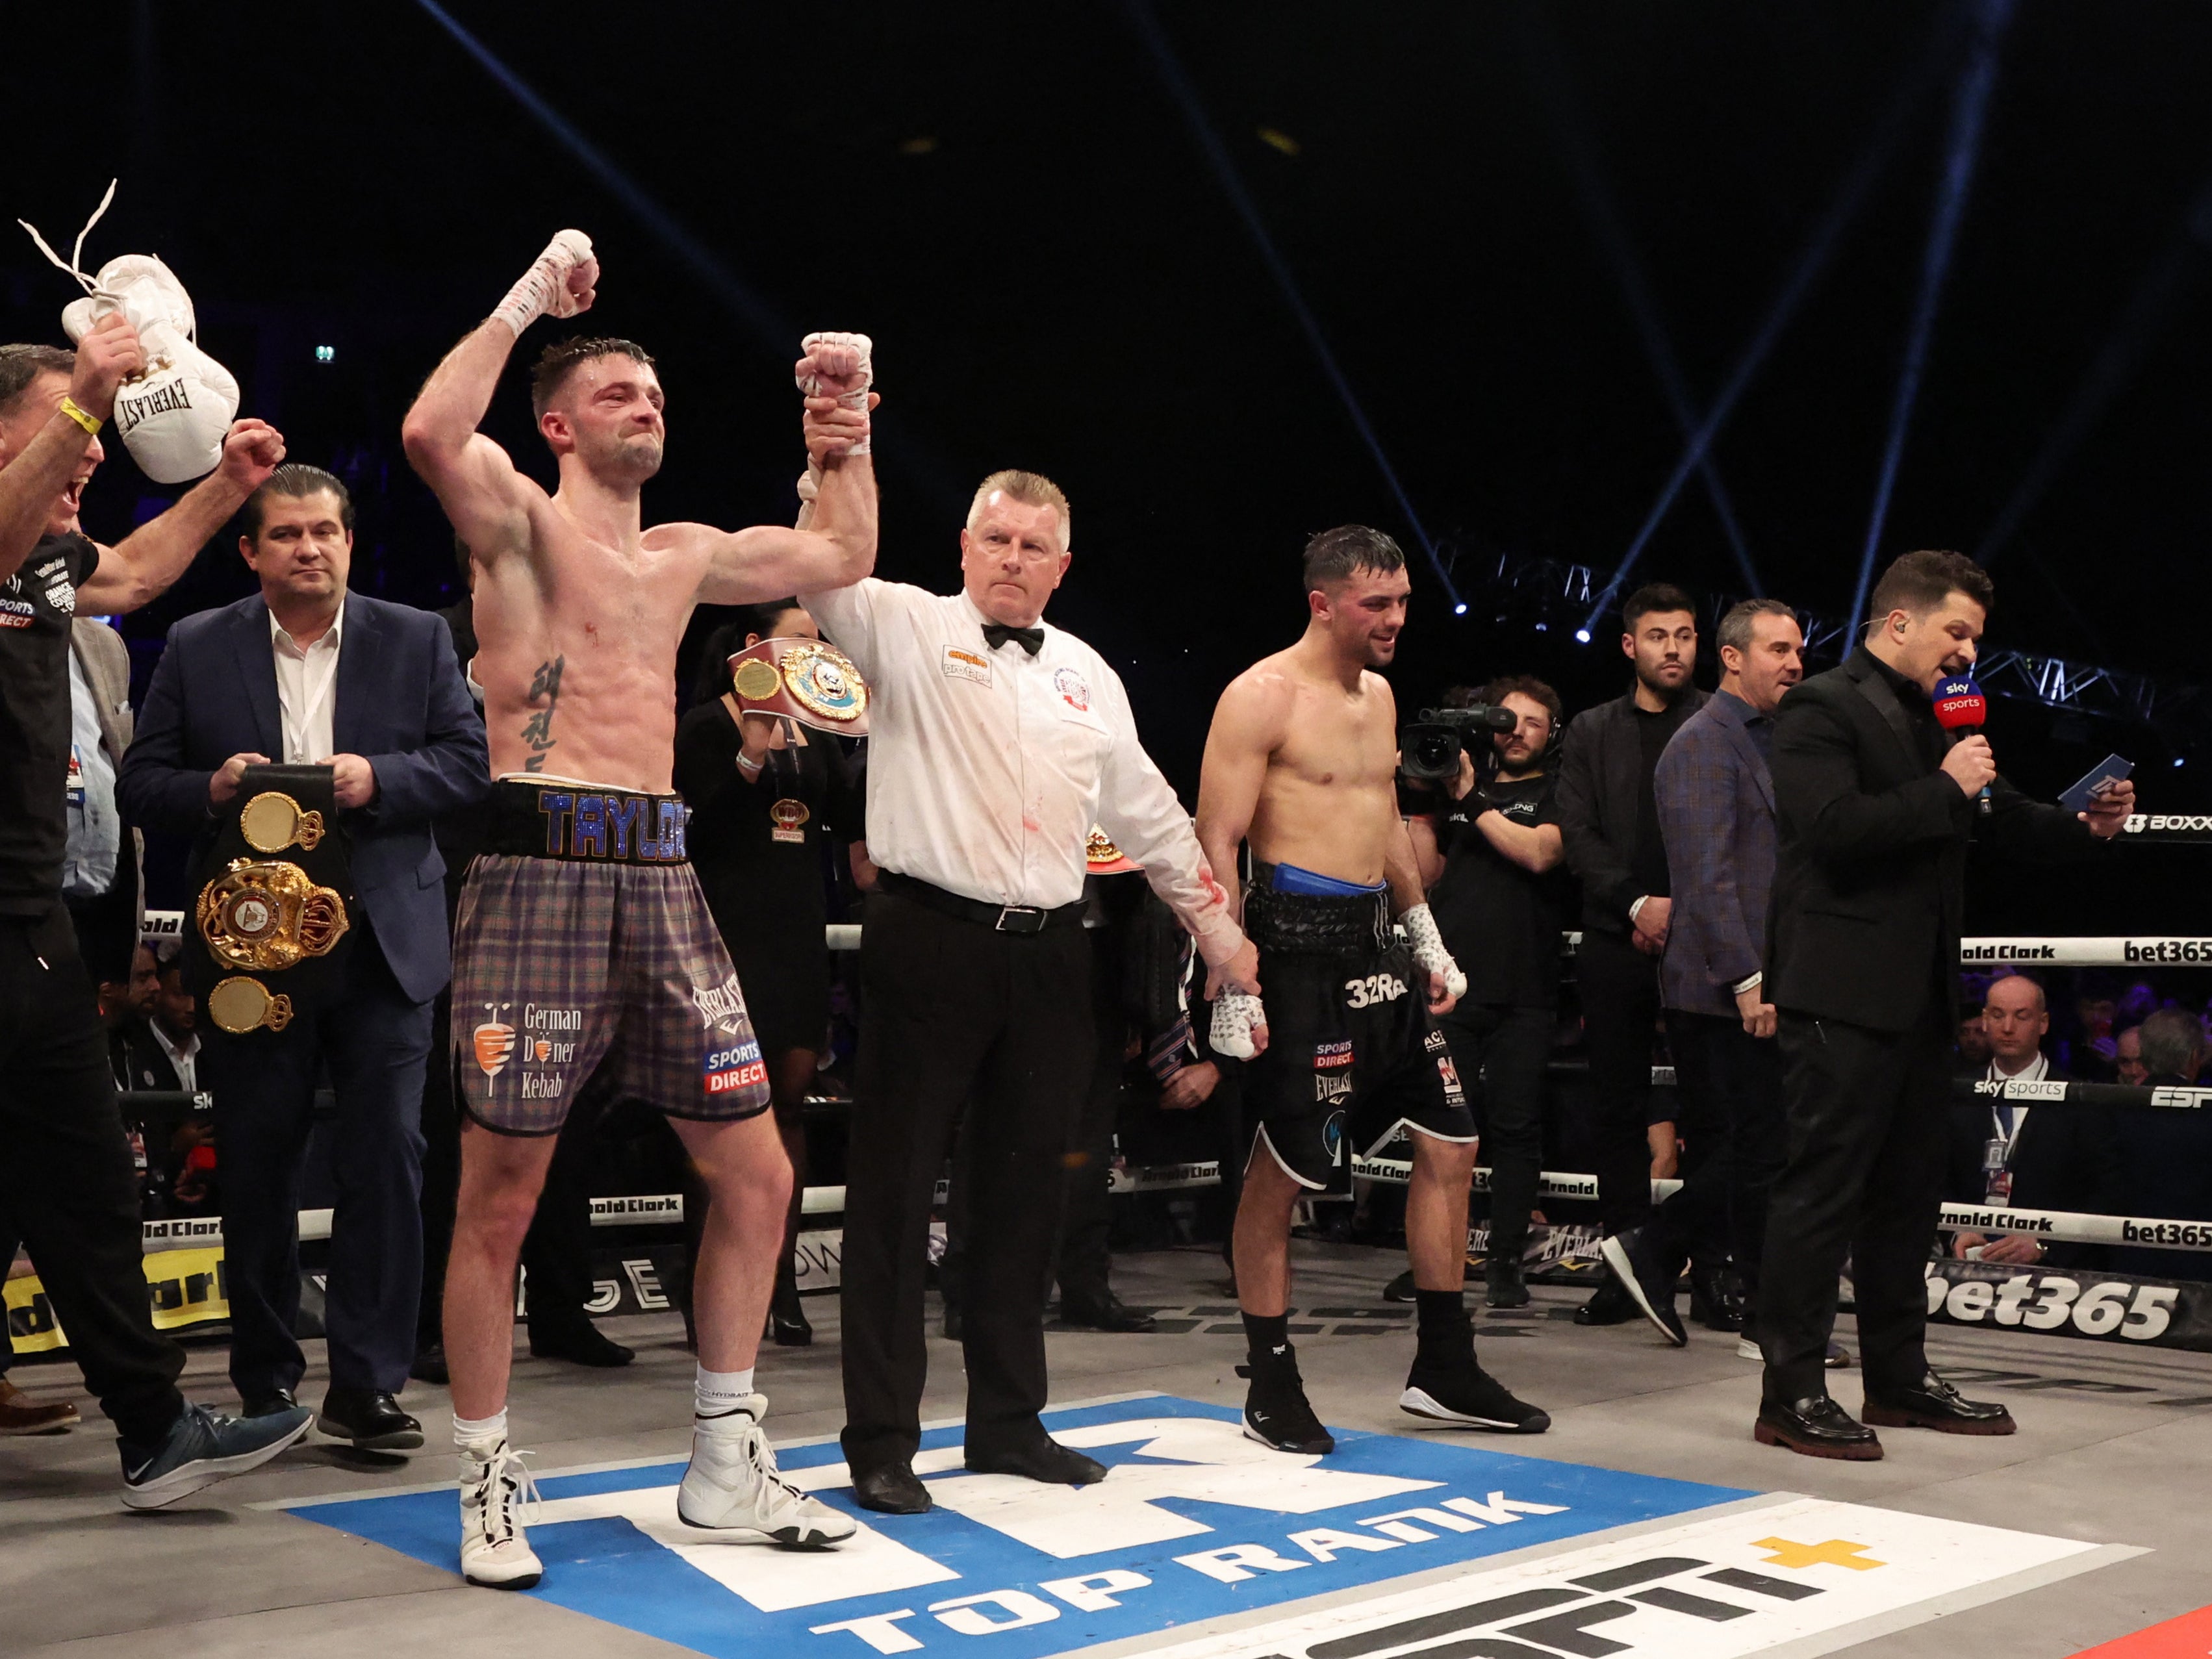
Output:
(1197, 1536)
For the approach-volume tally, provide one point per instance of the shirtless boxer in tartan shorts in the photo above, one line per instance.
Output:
(582, 939)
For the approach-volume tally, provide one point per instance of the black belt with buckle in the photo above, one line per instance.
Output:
(1004, 918)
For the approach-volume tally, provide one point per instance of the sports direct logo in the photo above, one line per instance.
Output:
(737, 1067)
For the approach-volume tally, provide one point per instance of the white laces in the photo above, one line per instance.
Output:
(76, 254)
(509, 1477)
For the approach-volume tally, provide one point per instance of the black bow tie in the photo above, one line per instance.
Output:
(997, 634)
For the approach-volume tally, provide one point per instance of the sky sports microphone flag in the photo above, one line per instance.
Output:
(1960, 706)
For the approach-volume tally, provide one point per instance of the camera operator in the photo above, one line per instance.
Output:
(1609, 817)
(1492, 858)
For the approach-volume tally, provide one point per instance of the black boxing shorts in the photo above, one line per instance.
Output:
(583, 939)
(1351, 1056)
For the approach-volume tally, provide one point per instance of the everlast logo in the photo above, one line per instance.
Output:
(129, 411)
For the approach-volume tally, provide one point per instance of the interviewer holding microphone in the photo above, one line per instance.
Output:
(1874, 804)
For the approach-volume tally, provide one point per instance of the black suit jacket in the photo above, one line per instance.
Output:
(1868, 886)
(1600, 773)
(2063, 1158)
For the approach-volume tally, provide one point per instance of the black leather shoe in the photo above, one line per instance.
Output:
(1503, 1286)
(892, 1490)
(1937, 1405)
(1818, 1427)
(787, 1325)
(580, 1344)
(1611, 1305)
(372, 1421)
(429, 1364)
(1716, 1300)
(1648, 1281)
(270, 1404)
(1049, 1463)
(1111, 1315)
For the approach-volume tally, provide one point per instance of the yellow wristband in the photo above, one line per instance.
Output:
(91, 423)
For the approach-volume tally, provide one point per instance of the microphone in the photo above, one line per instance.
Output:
(1960, 706)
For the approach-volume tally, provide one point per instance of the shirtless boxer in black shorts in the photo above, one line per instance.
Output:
(1301, 763)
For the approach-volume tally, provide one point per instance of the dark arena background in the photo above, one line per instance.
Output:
(1750, 296)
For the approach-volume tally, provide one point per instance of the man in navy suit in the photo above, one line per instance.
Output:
(1715, 799)
(304, 674)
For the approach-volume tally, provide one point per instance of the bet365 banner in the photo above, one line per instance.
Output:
(2081, 1302)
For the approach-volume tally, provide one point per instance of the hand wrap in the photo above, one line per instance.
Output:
(543, 290)
(1236, 1015)
(1420, 926)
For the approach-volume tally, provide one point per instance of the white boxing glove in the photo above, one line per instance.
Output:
(543, 290)
(1429, 951)
(173, 414)
(855, 397)
(1236, 1015)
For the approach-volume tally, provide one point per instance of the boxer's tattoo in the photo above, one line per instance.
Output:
(538, 729)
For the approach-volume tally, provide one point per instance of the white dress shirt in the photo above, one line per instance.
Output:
(986, 768)
(306, 690)
(184, 1057)
(2007, 1117)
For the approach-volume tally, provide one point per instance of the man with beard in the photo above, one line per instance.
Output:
(1301, 763)
(1609, 817)
(582, 933)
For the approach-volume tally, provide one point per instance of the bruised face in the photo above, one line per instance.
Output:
(30, 415)
(303, 551)
(1364, 613)
(1663, 646)
(1936, 643)
(1012, 558)
(608, 414)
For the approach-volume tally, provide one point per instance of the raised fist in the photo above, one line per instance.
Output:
(561, 282)
(836, 366)
(252, 450)
(106, 357)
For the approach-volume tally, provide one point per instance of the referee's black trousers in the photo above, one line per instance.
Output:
(1869, 1123)
(957, 1014)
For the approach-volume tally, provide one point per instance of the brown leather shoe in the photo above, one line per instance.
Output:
(1937, 1405)
(18, 1415)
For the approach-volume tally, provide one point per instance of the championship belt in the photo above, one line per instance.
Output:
(802, 680)
(274, 917)
(1102, 857)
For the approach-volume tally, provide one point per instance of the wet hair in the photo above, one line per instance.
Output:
(1335, 555)
(1916, 583)
(564, 357)
(296, 481)
(20, 365)
(1654, 599)
(1735, 629)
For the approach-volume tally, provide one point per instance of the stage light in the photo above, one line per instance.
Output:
(1543, 628)
(2177, 760)
(1581, 636)
(1964, 150)
(327, 354)
(1460, 609)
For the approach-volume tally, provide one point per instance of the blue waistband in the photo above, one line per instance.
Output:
(1289, 879)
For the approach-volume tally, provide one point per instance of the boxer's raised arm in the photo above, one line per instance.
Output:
(473, 478)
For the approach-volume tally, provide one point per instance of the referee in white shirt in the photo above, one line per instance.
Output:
(995, 741)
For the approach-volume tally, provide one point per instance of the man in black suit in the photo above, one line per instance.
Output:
(1609, 812)
(1875, 805)
(2055, 1157)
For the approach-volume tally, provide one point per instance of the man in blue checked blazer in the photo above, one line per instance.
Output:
(305, 673)
(1715, 798)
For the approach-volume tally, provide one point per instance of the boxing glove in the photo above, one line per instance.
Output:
(173, 414)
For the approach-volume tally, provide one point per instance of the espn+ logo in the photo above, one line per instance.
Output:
(2050, 1301)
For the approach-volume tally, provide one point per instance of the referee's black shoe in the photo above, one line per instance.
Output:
(1110, 1313)
(1277, 1413)
(372, 1420)
(1650, 1284)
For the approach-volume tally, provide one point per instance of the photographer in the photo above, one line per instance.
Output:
(1491, 859)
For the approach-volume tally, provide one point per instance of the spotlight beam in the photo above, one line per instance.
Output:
(2146, 311)
(1968, 110)
(768, 328)
(1572, 129)
(1812, 259)
(1224, 167)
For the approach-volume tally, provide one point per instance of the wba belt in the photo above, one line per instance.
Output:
(579, 824)
(273, 921)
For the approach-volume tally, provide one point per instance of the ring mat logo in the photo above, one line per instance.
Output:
(1192, 1521)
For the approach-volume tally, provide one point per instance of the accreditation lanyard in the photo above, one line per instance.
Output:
(1997, 1151)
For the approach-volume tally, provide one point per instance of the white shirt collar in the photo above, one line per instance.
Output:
(328, 639)
(2033, 1071)
(185, 1050)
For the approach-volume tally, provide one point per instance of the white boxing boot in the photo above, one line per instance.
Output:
(496, 1495)
(734, 1489)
